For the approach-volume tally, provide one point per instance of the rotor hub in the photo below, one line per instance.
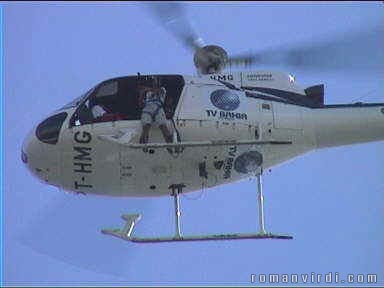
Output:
(210, 59)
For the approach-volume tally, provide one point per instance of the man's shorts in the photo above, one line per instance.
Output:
(151, 116)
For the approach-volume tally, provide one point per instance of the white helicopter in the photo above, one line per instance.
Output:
(225, 126)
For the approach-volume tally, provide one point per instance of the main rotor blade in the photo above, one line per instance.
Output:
(173, 17)
(354, 50)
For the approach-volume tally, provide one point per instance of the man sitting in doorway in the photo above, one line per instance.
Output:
(151, 99)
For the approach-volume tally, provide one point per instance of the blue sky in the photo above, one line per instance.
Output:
(331, 200)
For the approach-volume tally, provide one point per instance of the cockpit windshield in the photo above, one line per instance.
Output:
(77, 101)
(120, 99)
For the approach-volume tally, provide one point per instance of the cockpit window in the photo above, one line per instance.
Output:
(48, 131)
(120, 99)
(107, 89)
(76, 101)
(73, 103)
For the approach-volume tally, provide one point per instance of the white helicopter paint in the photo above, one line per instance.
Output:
(99, 158)
(225, 127)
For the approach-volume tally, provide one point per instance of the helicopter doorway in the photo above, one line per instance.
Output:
(119, 99)
(118, 103)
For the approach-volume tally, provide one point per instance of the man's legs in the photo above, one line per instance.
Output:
(145, 133)
(166, 134)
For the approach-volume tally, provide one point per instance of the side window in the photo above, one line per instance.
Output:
(103, 104)
(99, 106)
(77, 101)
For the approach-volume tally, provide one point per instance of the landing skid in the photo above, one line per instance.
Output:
(239, 236)
(131, 219)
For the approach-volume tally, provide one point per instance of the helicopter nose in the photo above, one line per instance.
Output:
(40, 160)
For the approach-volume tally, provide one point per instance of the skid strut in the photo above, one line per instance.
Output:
(176, 189)
(260, 198)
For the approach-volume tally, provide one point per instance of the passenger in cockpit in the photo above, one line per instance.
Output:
(151, 100)
(98, 111)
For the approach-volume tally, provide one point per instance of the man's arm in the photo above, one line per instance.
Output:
(142, 92)
(163, 92)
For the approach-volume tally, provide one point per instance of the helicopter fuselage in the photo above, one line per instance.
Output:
(259, 105)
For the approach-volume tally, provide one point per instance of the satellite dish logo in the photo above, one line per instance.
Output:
(248, 162)
(225, 100)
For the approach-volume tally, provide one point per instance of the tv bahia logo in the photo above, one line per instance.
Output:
(225, 100)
